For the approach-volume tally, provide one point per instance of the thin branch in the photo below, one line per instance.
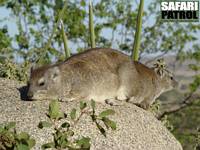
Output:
(188, 101)
(60, 16)
(84, 111)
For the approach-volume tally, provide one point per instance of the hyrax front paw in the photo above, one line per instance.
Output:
(122, 97)
(113, 102)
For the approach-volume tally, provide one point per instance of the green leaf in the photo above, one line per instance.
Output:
(1, 129)
(83, 3)
(93, 104)
(84, 142)
(195, 84)
(101, 129)
(73, 114)
(22, 147)
(23, 136)
(83, 105)
(64, 143)
(109, 123)
(31, 143)
(10, 125)
(48, 145)
(54, 110)
(106, 113)
(65, 125)
(43, 124)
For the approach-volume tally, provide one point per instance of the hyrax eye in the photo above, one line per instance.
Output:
(41, 84)
(171, 78)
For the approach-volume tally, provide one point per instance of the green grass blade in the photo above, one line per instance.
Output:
(91, 26)
(66, 48)
(136, 45)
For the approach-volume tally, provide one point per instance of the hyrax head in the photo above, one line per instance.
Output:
(166, 78)
(44, 83)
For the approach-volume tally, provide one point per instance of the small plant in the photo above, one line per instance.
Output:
(167, 123)
(103, 116)
(155, 107)
(63, 135)
(11, 70)
(11, 140)
(197, 147)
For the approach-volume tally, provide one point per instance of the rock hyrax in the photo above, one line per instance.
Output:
(101, 74)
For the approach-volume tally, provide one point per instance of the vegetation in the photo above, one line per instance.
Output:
(91, 26)
(67, 51)
(10, 139)
(136, 45)
(186, 124)
(186, 121)
(63, 133)
(37, 40)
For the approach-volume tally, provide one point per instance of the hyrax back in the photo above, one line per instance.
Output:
(98, 74)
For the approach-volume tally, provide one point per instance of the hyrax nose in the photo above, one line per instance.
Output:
(29, 94)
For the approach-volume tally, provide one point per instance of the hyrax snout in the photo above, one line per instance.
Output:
(102, 75)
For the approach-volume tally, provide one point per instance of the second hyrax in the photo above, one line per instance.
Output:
(104, 75)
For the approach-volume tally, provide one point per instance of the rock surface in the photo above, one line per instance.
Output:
(137, 129)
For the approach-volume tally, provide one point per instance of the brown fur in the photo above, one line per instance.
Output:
(99, 74)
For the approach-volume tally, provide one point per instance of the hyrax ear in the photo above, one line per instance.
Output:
(33, 67)
(160, 67)
(159, 72)
(54, 73)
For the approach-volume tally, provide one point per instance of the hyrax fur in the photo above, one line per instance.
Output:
(99, 74)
